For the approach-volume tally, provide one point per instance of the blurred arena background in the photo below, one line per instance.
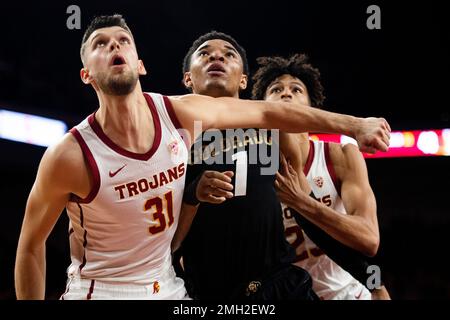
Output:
(400, 72)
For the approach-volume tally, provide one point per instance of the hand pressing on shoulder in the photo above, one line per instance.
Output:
(292, 186)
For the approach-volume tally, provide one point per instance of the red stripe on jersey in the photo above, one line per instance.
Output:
(175, 121)
(138, 156)
(84, 237)
(310, 158)
(171, 112)
(92, 167)
(330, 168)
(91, 290)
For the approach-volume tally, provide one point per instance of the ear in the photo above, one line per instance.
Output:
(187, 80)
(85, 77)
(243, 82)
(141, 68)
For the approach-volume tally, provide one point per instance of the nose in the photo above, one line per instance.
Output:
(216, 55)
(286, 94)
(114, 45)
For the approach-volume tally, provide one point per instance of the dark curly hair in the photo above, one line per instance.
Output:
(296, 66)
(211, 36)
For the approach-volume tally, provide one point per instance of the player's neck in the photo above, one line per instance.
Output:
(303, 143)
(126, 120)
(218, 93)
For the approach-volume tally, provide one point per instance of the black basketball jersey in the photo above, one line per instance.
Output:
(242, 239)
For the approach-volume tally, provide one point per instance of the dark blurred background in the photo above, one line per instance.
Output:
(399, 72)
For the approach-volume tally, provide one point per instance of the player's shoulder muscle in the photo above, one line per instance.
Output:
(62, 164)
(347, 159)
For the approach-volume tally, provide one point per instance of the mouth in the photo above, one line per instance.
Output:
(216, 69)
(117, 60)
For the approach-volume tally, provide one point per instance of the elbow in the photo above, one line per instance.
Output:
(371, 246)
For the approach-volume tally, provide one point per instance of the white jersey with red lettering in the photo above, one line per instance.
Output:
(120, 234)
(330, 281)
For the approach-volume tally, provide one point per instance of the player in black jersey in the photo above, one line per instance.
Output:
(237, 248)
(234, 246)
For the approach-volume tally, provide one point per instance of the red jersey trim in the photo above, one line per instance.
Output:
(91, 290)
(92, 167)
(138, 156)
(176, 122)
(330, 168)
(84, 238)
(310, 158)
(171, 112)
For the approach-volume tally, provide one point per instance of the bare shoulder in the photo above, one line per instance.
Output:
(63, 164)
(192, 107)
(65, 154)
(346, 159)
(189, 99)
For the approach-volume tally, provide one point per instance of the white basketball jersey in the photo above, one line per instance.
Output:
(329, 279)
(121, 233)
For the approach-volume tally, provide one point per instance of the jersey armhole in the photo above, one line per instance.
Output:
(177, 124)
(92, 167)
(310, 158)
(330, 168)
(171, 112)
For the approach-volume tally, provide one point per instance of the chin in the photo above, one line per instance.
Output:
(217, 89)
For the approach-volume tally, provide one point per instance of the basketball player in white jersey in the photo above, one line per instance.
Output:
(335, 173)
(120, 173)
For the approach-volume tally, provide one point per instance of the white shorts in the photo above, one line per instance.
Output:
(354, 291)
(168, 288)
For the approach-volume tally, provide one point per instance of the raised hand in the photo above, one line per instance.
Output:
(373, 135)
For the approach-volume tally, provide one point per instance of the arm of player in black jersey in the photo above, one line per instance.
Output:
(208, 186)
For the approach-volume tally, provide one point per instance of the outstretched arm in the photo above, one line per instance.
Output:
(45, 203)
(371, 133)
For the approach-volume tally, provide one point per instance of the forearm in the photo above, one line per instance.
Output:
(351, 260)
(30, 274)
(350, 230)
(187, 215)
(297, 118)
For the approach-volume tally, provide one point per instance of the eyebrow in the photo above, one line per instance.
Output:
(206, 46)
(295, 82)
(231, 48)
(102, 34)
(98, 34)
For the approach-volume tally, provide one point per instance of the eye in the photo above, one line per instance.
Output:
(124, 40)
(99, 43)
(203, 53)
(231, 54)
(275, 90)
(297, 89)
